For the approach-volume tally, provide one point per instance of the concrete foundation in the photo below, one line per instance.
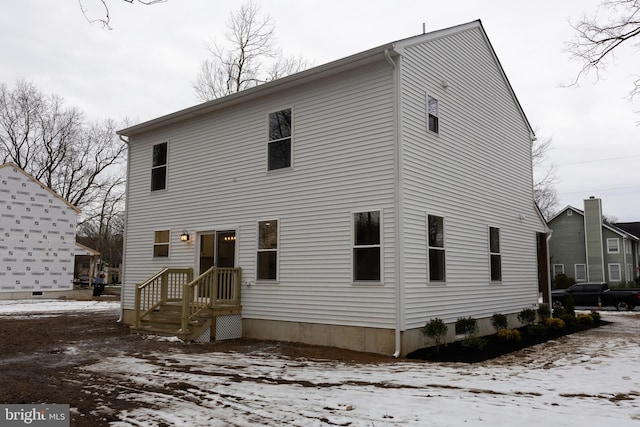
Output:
(74, 294)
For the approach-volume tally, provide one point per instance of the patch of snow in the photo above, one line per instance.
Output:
(11, 307)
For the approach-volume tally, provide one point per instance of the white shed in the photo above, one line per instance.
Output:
(37, 237)
(359, 199)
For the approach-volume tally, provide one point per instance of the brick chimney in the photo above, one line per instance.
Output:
(593, 239)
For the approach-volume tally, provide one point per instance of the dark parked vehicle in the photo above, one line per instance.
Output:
(595, 294)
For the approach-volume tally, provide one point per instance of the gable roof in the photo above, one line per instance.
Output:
(611, 227)
(44, 187)
(387, 51)
(630, 227)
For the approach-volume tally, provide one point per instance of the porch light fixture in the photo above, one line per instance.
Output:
(184, 237)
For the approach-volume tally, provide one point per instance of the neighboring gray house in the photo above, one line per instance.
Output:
(352, 202)
(586, 248)
(37, 237)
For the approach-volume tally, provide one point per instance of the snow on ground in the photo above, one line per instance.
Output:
(591, 378)
(9, 307)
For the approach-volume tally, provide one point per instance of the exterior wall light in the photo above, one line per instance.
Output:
(184, 237)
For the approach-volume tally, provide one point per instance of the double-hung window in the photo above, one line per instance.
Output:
(615, 274)
(435, 230)
(279, 146)
(159, 167)
(161, 243)
(581, 272)
(613, 246)
(366, 246)
(495, 255)
(558, 269)
(267, 250)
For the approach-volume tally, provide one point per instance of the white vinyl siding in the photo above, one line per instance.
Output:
(343, 162)
(476, 171)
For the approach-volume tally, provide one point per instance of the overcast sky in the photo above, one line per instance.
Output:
(144, 67)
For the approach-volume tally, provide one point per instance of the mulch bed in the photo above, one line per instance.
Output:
(455, 352)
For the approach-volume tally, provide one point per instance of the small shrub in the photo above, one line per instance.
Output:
(509, 335)
(476, 344)
(436, 330)
(527, 316)
(570, 309)
(568, 319)
(558, 311)
(584, 319)
(555, 323)
(595, 315)
(539, 329)
(499, 321)
(467, 326)
(543, 312)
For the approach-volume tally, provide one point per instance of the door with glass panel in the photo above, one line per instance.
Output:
(216, 248)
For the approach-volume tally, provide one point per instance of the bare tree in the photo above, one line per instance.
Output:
(55, 145)
(103, 17)
(248, 59)
(599, 37)
(545, 177)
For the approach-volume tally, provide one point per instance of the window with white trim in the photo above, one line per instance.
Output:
(267, 262)
(366, 246)
(159, 167)
(433, 115)
(627, 246)
(495, 254)
(614, 273)
(435, 230)
(161, 243)
(613, 246)
(279, 145)
(580, 272)
(558, 269)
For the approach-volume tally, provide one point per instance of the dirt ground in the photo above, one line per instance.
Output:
(44, 365)
(38, 368)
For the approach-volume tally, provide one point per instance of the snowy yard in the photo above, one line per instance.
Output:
(590, 378)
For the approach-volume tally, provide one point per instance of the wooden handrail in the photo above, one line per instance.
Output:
(163, 286)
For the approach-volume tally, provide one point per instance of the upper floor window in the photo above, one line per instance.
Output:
(366, 246)
(161, 243)
(279, 146)
(432, 107)
(495, 255)
(613, 246)
(435, 230)
(267, 250)
(159, 167)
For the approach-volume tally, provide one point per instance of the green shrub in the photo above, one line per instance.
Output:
(562, 281)
(476, 344)
(527, 316)
(539, 329)
(568, 319)
(510, 335)
(499, 321)
(467, 326)
(436, 330)
(543, 312)
(555, 323)
(570, 307)
(584, 319)
(596, 316)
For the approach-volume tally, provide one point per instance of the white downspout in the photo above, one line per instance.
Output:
(398, 208)
(124, 239)
(549, 271)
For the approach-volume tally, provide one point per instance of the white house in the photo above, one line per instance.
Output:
(37, 237)
(360, 198)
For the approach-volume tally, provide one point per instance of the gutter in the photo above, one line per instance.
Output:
(124, 239)
(398, 207)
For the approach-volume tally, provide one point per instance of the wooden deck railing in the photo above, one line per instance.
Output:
(214, 288)
(164, 286)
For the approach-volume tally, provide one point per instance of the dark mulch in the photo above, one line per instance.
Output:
(495, 347)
